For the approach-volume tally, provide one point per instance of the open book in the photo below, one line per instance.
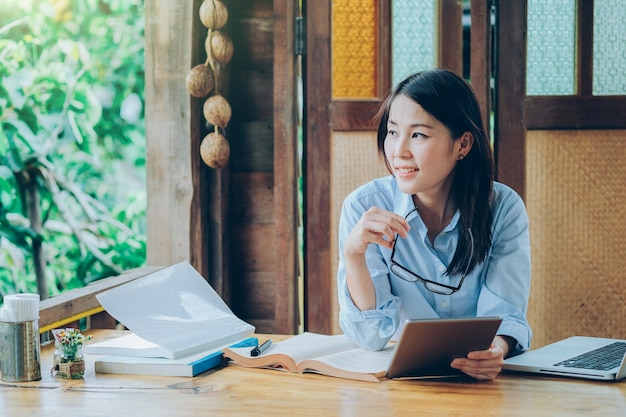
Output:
(172, 313)
(332, 355)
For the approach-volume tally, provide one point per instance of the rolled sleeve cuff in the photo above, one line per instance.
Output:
(518, 331)
(370, 329)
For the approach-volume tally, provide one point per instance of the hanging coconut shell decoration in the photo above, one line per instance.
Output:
(217, 111)
(220, 47)
(214, 150)
(200, 81)
(203, 80)
(213, 14)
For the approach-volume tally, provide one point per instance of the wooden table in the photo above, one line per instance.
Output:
(239, 391)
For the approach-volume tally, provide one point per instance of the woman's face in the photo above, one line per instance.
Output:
(420, 150)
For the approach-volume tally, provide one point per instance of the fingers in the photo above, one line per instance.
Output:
(482, 365)
(478, 369)
(384, 223)
(375, 226)
(382, 241)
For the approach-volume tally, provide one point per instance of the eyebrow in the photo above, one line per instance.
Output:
(413, 125)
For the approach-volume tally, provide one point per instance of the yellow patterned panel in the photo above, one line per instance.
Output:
(354, 45)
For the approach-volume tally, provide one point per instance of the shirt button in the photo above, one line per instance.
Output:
(389, 327)
(444, 304)
(441, 268)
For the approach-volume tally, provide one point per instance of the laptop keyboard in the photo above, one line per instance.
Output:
(601, 359)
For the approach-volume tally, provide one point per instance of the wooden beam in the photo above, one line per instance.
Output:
(450, 42)
(285, 169)
(169, 135)
(317, 75)
(75, 304)
(480, 56)
(572, 112)
(510, 140)
(346, 115)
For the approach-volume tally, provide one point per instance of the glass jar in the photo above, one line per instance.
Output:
(69, 361)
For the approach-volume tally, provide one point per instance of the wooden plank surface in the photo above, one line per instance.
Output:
(241, 391)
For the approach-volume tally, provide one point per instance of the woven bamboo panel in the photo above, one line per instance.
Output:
(354, 161)
(576, 201)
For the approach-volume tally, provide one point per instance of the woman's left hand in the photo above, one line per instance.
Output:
(484, 364)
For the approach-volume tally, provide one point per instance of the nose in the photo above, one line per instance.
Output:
(401, 148)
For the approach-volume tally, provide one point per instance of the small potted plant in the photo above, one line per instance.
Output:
(69, 361)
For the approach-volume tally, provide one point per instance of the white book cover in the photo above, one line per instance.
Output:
(172, 312)
(190, 365)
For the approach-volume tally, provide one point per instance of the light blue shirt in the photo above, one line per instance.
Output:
(499, 286)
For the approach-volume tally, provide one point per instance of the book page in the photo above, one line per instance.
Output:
(176, 309)
(303, 346)
(129, 345)
(290, 352)
(356, 360)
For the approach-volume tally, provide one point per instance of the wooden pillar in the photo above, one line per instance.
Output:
(176, 178)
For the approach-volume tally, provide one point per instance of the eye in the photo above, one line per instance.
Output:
(391, 132)
(418, 135)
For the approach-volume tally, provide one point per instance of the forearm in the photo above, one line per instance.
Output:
(359, 282)
(506, 343)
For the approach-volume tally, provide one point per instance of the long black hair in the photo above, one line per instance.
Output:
(451, 100)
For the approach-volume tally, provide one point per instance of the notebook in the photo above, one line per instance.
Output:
(426, 347)
(577, 356)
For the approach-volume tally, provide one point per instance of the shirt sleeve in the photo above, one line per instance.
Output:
(507, 277)
(370, 329)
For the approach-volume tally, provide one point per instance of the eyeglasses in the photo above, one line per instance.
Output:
(410, 276)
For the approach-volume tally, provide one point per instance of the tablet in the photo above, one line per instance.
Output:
(426, 347)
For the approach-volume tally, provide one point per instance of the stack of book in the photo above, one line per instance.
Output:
(179, 326)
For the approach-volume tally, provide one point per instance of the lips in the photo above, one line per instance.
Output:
(406, 170)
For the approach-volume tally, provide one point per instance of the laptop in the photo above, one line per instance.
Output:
(427, 346)
(577, 356)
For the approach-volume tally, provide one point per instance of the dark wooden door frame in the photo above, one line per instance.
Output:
(286, 170)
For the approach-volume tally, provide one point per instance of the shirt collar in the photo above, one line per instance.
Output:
(403, 203)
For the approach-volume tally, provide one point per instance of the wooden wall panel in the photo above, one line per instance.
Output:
(250, 217)
(252, 147)
(263, 185)
(253, 265)
(256, 200)
(251, 93)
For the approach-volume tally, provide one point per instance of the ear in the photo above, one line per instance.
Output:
(464, 144)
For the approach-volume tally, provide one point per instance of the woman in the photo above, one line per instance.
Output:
(437, 238)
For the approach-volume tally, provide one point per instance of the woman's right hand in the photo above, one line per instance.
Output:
(375, 226)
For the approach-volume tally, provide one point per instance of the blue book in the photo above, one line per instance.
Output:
(190, 365)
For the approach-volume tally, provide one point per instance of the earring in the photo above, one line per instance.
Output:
(461, 156)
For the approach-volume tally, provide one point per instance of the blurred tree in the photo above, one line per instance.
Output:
(72, 142)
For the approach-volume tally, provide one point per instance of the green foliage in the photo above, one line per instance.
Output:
(72, 142)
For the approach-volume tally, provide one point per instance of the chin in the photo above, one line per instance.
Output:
(408, 188)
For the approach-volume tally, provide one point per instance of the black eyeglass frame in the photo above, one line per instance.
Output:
(439, 288)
